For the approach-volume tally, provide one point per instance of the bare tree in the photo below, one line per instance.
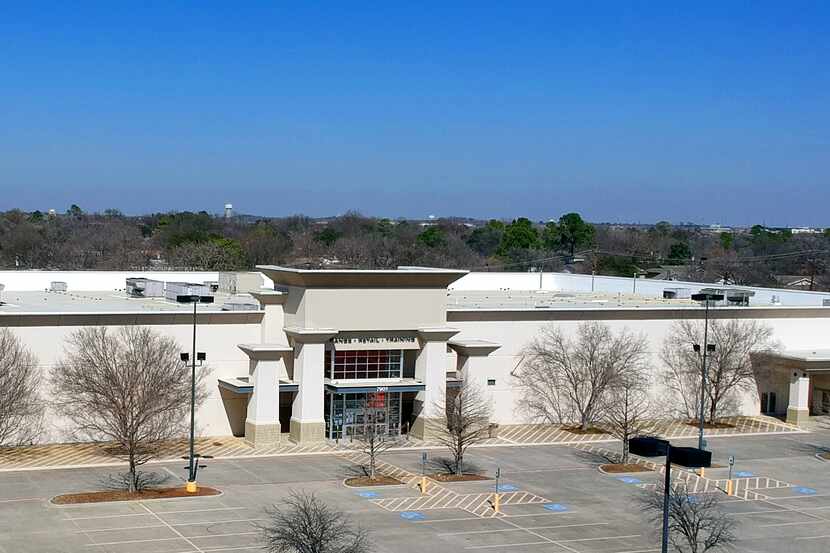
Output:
(374, 444)
(567, 379)
(306, 525)
(21, 407)
(464, 421)
(729, 367)
(696, 522)
(628, 407)
(128, 386)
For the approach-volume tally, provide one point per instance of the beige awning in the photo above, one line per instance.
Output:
(375, 341)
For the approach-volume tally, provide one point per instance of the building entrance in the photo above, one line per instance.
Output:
(350, 416)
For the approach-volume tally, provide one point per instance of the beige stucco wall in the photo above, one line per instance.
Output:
(789, 333)
(219, 341)
(365, 308)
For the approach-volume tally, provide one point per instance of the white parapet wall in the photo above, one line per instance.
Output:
(566, 282)
(88, 281)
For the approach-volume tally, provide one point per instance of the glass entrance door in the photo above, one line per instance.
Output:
(351, 416)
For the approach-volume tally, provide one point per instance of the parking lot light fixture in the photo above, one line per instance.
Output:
(689, 457)
(706, 298)
(193, 357)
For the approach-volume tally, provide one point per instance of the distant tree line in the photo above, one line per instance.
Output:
(77, 239)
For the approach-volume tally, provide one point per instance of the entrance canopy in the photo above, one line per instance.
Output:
(806, 360)
(356, 387)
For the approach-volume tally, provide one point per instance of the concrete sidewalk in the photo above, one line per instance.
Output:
(228, 447)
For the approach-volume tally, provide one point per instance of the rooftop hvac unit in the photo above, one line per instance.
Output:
(677, 293)
(183, 292)
(239, 282)
(144, 288)
(58, 286)
(825, 302)
(241, 304)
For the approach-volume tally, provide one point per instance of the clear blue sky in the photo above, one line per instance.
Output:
(623, 111)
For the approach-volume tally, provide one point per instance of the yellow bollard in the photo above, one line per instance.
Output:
(496, 500)
(191, 487)
(423, 485)
(729, 487)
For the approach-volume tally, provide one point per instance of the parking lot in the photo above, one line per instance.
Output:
(555, 500)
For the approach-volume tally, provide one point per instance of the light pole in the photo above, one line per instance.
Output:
(706, 298)
(193, 464)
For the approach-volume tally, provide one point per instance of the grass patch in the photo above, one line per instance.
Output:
(465, 477)
(379, 480)
(123, 495)
(616, 468)
(579, 430)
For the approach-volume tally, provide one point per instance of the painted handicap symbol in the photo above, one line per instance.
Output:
(412, 515)
(743, 474)
(804, 491)
(556, 507)
(629, 480)
(507, 488)
(368, 495)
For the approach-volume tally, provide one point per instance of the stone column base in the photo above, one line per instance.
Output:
(307, 432)
(262, 434)
(426, 428)
(797, 416)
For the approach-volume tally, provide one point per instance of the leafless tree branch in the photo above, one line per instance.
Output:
(128, 386)
(21, 407)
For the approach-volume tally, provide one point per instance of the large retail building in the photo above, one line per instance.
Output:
(309, 355)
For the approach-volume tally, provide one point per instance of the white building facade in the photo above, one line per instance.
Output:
(326, 355)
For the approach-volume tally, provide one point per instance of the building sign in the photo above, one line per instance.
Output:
(375, 342)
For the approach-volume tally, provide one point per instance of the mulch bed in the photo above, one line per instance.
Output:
(123, 495)
(379, 480)
(710, 424)
(578, 430)
(615, 468)
(467, 477)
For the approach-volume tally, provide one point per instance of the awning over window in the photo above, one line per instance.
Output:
(373, 341)
(364, 386)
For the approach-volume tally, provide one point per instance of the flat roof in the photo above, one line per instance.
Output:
(553, 299)
(402, 277)
(109, 301)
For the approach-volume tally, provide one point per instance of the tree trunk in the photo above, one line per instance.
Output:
(459, 462)
(132, 476)
(584, 423)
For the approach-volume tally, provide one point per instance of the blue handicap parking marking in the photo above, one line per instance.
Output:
(629, 480)
(368, 495)
(557, 507)
(743, 474)
(507, 488)
(413, 515)
(693, 499)
(805, 491)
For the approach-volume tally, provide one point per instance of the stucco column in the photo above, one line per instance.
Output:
(431, 369)
(798, 410)
(307, 422)
(271, 302)
(262, 423)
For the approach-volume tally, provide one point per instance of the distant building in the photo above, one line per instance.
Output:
(806, 230)
(228, 211)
